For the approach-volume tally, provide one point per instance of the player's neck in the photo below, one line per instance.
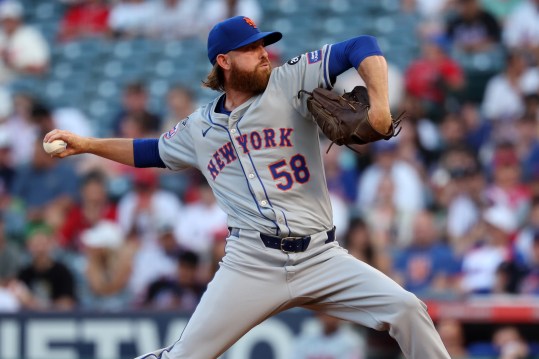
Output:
(234, 99)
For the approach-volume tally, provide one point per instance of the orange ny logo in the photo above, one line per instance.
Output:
(250, 22)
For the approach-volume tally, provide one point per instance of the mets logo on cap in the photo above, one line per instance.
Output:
(250, 22)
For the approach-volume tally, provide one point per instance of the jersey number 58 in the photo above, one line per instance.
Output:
(286, 173)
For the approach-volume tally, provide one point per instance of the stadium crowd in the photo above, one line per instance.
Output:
(449, 208)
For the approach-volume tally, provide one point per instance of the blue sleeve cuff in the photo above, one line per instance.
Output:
(146, 153)
(350, 53)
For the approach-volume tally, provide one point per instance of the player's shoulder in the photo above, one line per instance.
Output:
(186, 125)
(308, 58)
(302, 62)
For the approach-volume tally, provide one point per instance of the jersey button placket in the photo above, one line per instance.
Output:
(251, 175)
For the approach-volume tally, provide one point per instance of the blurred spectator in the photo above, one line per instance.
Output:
(527, 146)
(167, 240)
(141, 213)
(529, 82)
(509, 343)
(465, 205)
(452, 130)
(408, 194)
(428, 266)
(477, 130)
(410, 146)
(387, 225)
(525, 237)
(86, 19)
(178, 19)
(331, 339)
(182, 292)
(42, 116)
(50, 283)
(10, 256)
(521, 30)
(23, 49)
(146, 206)
(6, 104)
(473, 30)
(452, 336)
(509, 275)
(274, 56)
(503, 95)
(341, 214)
(360, 244)
(214, 11)
(9, 301)
(10, 262)
(507, 189)
(47, 187)
(341, 171)
(74, 120)
(530, 282)
(70, 119)
(531, 105)
(138, 125)
(341, 176)
(180, 104)
(480, 264)
(433, 75)
(7, 166)
(199, 222)
(94, 206)
(109, 266)
(19, 124)
(432, 9)
(135, 111)
(129, 18)
(424, 134)
(500, 8)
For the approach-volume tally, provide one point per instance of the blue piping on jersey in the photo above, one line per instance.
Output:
(326, 75)
(260, 180)
(242, 169)
(286, 222)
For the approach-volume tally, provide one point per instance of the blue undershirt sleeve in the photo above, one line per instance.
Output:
(146, 153)
(350, 53)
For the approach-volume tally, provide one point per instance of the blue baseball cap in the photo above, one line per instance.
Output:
(233, 33)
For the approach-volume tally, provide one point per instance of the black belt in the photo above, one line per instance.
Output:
(286, 244)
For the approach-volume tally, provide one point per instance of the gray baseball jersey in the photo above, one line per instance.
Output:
(263, 161)
(264, 165)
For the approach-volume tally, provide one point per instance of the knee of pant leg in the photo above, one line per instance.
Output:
(409, 305)
(403, 309)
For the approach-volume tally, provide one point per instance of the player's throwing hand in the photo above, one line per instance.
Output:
(75, 143)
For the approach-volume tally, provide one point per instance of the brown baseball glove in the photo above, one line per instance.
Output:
(345, 119)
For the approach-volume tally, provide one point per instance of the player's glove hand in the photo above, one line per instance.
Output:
(345, 119)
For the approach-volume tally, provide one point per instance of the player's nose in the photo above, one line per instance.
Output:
(262, 50)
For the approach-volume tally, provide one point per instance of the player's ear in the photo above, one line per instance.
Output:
(223, 61)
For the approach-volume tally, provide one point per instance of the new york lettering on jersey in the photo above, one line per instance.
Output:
(253, 141)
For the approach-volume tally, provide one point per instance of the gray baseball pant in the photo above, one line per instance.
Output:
(254, 283)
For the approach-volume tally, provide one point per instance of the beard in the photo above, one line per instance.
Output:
(254, 81)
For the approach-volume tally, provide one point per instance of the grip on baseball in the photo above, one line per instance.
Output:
(54, 147)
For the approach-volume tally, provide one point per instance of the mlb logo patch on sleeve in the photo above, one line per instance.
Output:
(179, 126)
(314, 56)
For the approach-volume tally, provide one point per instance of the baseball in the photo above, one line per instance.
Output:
(54, 147)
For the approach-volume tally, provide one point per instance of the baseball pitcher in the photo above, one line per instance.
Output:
(257, 144)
